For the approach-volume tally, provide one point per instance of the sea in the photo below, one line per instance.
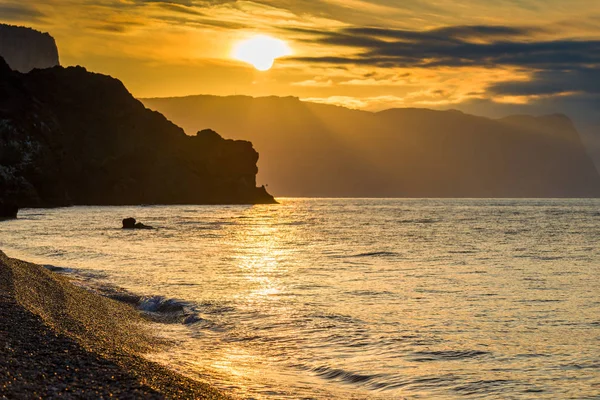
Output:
(349, 298)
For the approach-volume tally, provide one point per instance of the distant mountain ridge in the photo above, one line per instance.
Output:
(319, 150)
(71, 137)
(25, 49)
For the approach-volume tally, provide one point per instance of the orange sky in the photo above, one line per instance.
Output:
(421, 56)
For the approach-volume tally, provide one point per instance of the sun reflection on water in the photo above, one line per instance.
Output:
(261, 265)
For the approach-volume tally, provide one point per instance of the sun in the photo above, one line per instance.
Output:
(261, 51)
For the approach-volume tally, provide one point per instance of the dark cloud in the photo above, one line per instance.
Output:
(576, 80)
(19, 12)
(461, 46)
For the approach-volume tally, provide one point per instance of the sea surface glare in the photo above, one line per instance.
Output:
(353, 298)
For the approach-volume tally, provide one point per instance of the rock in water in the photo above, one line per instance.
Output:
(25, 49)
(129, 223)
(139, 225)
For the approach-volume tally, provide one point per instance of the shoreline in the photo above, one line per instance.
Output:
(62, 340)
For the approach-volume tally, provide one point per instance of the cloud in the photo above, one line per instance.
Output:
(373, 79)
(110, 28)
(184, 3)
(19, 12)
(461, 46)
(555, 67)
(314, 83)
(180, 9)
(574, 80)
(448, 34)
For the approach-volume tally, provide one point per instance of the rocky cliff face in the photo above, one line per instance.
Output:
(25, 49)
(71, 137)
(318, 150)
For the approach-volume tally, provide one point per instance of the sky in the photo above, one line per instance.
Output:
(486, 57)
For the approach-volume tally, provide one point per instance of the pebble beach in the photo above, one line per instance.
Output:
(61, 341)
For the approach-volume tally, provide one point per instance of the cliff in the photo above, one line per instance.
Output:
(25, 49)
(71, 137)
(320, 150)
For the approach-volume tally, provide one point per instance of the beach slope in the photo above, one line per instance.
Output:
(60, 340)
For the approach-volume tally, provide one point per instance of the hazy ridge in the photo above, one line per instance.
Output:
(318, 150)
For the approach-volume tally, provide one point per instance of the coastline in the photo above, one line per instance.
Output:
(61, 340)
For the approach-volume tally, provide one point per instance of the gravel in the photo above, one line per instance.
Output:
(60, 341)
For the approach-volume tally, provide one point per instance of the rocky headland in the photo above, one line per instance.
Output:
(72, 137)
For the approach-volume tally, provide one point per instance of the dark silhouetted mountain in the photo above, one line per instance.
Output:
(25, 49)
(71, 137)
(313, 149)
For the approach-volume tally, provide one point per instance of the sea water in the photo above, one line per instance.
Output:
(352, 298)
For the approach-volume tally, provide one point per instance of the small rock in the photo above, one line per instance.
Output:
(139, 225)
(129, 223)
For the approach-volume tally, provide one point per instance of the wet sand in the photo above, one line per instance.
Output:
(59, 340)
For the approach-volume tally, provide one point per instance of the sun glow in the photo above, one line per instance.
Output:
(261, 51)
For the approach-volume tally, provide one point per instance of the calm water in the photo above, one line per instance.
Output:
(355, 298)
